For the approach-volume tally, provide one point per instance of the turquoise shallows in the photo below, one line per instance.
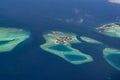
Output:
(114, 59)
(75, 57)
(60, 48)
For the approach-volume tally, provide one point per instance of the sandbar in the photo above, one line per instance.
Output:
(90, 40)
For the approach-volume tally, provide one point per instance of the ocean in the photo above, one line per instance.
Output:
(29, 62)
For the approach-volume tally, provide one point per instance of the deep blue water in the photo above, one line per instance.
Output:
(28, 62)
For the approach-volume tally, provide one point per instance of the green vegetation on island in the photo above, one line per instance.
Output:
(112, 29)
(90, 40)
(11, 37)
(59, 43)
(112, 56)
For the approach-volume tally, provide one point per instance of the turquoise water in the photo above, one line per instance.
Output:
(4, 42)
(60, 48)
(28, 62)
(75, 57)
(114, 59)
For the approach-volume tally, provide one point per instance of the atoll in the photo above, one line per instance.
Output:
(59, 43)
(111, 29)
(11, 37)
(112, 56)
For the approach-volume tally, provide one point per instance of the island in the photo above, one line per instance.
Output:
(111, 29)
(112, 56)
(90, 40)
(11, 37)
(60, 44)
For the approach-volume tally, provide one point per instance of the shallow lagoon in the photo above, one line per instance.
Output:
(75, 57)
(114, 59)
(112, 56)
(60, 48)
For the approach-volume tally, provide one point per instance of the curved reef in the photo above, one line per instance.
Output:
(90, 40)
(112, 56)
(59, 43)
(112, 29)
(11, 37)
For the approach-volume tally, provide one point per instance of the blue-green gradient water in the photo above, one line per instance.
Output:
(75, 57)
(29, 62)
(60, 48)
(114, 59)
